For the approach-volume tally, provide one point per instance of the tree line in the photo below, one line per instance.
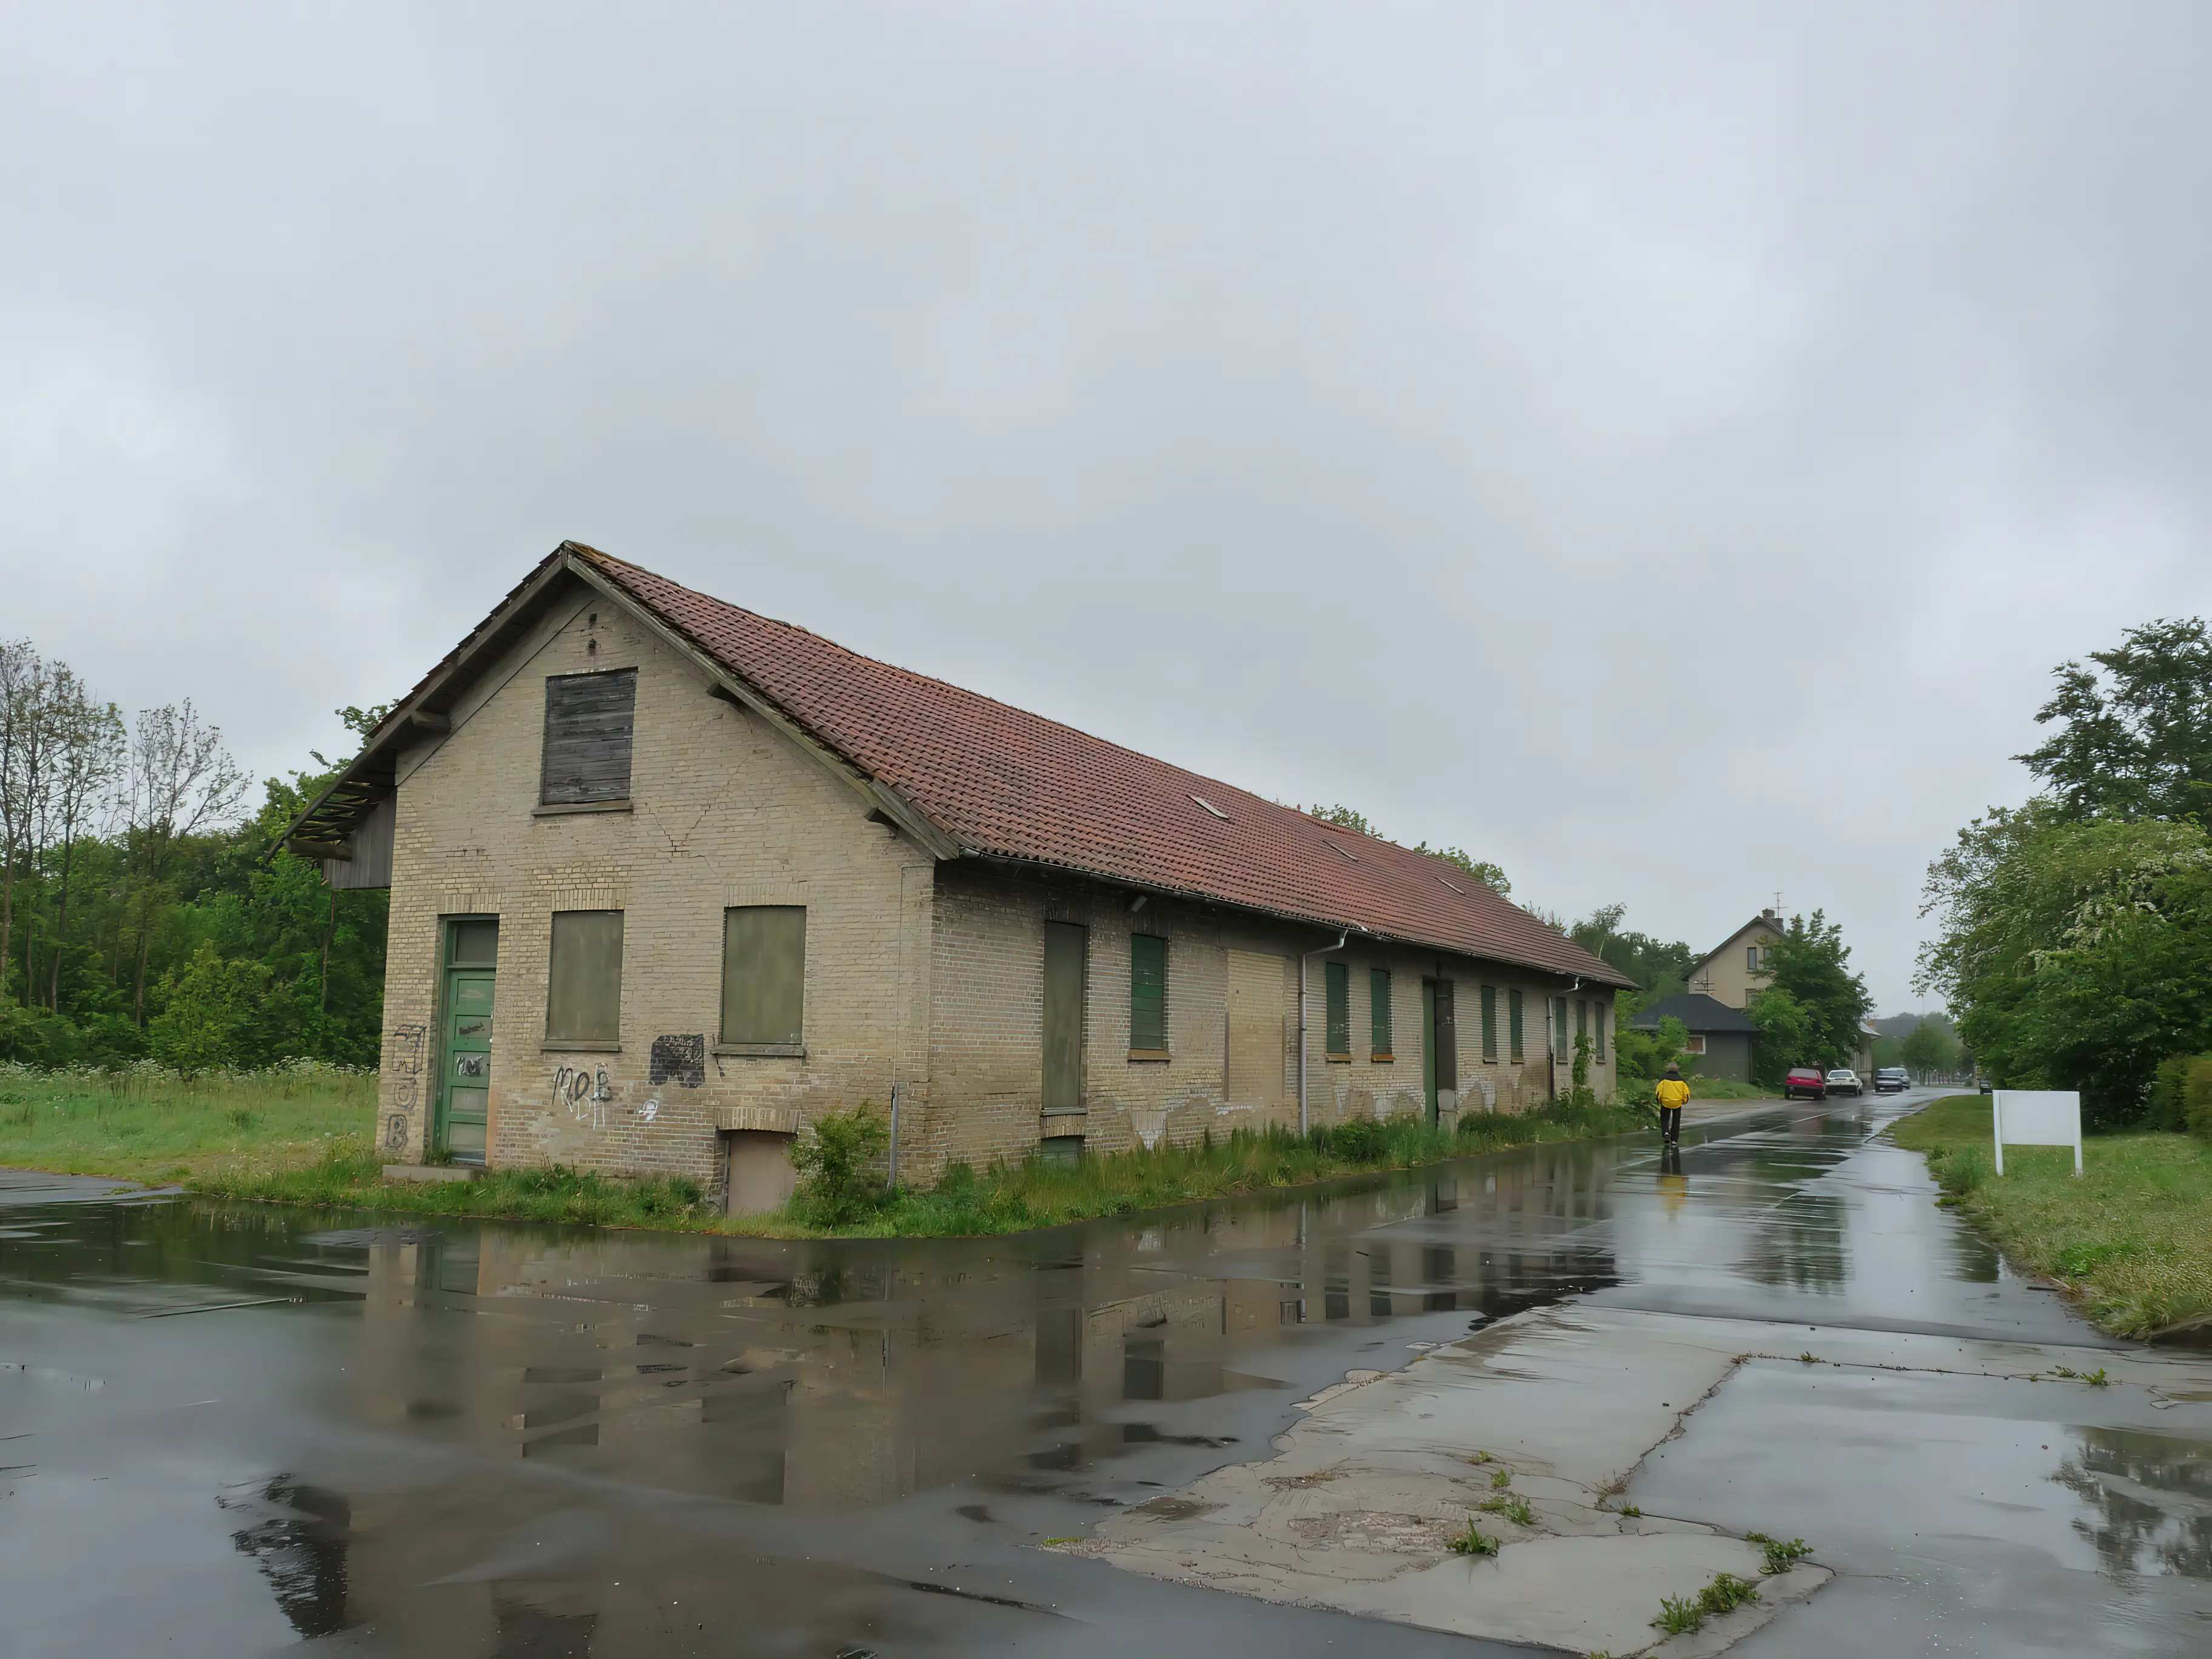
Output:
(141, 915)
(2073, 934)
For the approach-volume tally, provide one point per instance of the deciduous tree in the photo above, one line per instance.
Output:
(2132, 736)
(1825, 1003)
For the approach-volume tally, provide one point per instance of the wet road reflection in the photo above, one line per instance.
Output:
(454, 1438)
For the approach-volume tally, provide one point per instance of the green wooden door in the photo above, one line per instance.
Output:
(468, 1063)
(464, 1039)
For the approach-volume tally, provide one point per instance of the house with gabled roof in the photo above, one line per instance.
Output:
(1735, 970)
(669, 878)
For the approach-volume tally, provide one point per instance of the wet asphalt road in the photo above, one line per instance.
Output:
(232, 1428)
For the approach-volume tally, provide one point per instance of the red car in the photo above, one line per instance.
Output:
(1807, 1080)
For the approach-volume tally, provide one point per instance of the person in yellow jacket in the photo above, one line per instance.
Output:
(1672, 1091)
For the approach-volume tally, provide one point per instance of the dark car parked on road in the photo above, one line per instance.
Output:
(1809, 1081)
(1891, 1080)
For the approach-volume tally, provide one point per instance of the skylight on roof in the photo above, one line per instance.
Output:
(1461, 891)
(1212, 808)
(1341, 850)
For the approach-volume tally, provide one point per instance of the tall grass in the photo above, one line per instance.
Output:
(146, 1122)
(1005, 1198)
(1008, 1198)
(348, 1173)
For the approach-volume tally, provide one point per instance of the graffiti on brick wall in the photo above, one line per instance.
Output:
(679, 1059)
(406, 1084)
(584, 1092)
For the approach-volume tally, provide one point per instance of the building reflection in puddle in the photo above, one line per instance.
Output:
(835, 1376)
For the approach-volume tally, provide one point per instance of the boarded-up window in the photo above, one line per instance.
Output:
(1065, 945)
(1378, 1011)
(583, 992)
(1597, 1028)
(764, 974)
(1514, 1051)
(1148, 995)
(473, 942)
(1490, 1024)
(588, 721)
(1258, 1044)
(1560, 1050)
(1339, 1023)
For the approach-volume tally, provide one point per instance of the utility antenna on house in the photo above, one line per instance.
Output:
(1777, 900)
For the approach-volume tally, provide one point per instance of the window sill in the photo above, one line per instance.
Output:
(764, 1050)
(1338, 1060)
(1382, 1060)
(562, 809)
(561, 1046)
(1149, 1055)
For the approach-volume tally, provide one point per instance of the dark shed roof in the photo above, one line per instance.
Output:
(1697, 1011)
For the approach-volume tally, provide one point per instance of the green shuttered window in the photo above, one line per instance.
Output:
(1516, 1053)
(1148, 995)
(1597, 1028)
(1378, 994)
(583, 992)
(1560, 1051)
(764, 975)
(589, 718)
(1339, 1010)
(1489, 1022)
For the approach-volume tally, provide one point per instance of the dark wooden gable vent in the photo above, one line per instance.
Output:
(588, 722)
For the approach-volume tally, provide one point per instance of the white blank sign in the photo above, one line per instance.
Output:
(2036, 1117)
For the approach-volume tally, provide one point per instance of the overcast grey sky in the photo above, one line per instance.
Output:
(1662, 449)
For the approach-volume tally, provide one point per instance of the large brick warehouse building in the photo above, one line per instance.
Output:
(669, 878)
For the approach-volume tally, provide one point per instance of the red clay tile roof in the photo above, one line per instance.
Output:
(1006, 783)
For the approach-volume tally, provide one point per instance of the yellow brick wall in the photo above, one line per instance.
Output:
(986, 1027)
(727, 811)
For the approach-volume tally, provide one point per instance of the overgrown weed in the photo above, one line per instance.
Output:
(1515, 1509)
(1473, 1542)
(1679, 1615)
(1781, 1553)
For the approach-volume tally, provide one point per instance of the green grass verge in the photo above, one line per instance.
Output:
(1004, 1200)
(2133, 1235)
(147, 1124)
(299, 1135)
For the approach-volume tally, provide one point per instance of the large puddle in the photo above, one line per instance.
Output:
(240, 1426)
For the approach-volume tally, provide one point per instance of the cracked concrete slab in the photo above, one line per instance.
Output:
(1557, 1409)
